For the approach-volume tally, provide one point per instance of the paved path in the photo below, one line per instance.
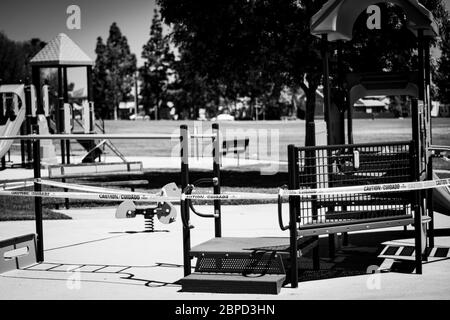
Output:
(111, 259)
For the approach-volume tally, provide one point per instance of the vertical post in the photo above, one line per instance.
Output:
(417, 205)
(28, 143)
(293, 213)
(216, 171)
(60, 113)
(326, 83)
(60, 119)
(430, 208)
(38, 200)
(90, 99)
(36, 80)
(66, 100)
(22, 145)
(184, 154)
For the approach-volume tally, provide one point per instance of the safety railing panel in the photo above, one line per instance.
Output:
(352, 165)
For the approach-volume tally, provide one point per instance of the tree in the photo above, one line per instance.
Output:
(157, 69)
(256, 48)
(113, 72)
(99, 77)
(248, 48)
(15, 57)
(443, 69)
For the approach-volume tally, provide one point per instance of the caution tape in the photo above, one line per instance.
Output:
(142, 197)
(16, 185)
(374, 188)
(90, 196)
(79, 187)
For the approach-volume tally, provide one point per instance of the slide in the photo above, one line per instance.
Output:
(441, 198)
(10, 128)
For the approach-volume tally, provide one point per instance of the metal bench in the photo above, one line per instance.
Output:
(235, 146)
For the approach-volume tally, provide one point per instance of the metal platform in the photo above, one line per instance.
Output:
(247, 246)
(242, 265)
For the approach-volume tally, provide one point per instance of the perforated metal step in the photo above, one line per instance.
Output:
(257, 263)
(232, 283)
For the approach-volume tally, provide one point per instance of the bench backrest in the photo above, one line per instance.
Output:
(236, 146)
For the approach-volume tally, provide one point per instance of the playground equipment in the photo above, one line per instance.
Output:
(12, 113)
(62, 53)
(223, 264)
(332, 189)
(164, 210)
(17, 107)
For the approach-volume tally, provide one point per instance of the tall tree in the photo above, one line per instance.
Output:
(248, 48)
(158, 67)
(15, 57)
(99, 77)
(113, 72)
(443, 70)
(255, 48)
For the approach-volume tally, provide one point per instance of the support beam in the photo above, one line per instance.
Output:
(38, 200)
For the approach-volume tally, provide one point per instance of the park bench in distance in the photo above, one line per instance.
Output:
(235, 146)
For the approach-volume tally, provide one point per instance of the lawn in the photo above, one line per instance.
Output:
(281, 133)
(244, 179)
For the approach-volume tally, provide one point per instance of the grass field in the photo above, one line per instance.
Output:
(289, 132)
(292, 132)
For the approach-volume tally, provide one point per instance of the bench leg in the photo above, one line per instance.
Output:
(345, 239)
(331, 246)
(316, 256)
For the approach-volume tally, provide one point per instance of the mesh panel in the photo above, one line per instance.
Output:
(262, 264)
(350, 165)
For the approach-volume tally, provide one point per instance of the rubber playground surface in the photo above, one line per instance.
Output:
(95, 256)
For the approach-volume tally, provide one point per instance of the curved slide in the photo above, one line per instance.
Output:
(441, 198)
(10, 128)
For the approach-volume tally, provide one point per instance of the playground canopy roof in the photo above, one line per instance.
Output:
(337, 17)
(61, 51)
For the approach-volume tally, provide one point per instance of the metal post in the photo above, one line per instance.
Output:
(36, 80)
(60, 113)
(22, 145)
(417, 205)
(184, 154)
(66, 100)
(326, 83)
(216, 171)
(293, 213)
(430, 208)
(38, 200)
(28, 144)
(90, 98)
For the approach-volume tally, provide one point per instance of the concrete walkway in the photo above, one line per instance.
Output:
(94, 256)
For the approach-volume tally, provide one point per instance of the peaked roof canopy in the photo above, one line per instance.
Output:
(337, 17)
(61, 51)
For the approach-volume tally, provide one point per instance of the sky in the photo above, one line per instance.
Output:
(45, 19)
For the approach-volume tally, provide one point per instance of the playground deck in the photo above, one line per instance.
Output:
(95, 256)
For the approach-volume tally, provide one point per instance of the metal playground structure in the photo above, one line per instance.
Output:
(333, 189)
